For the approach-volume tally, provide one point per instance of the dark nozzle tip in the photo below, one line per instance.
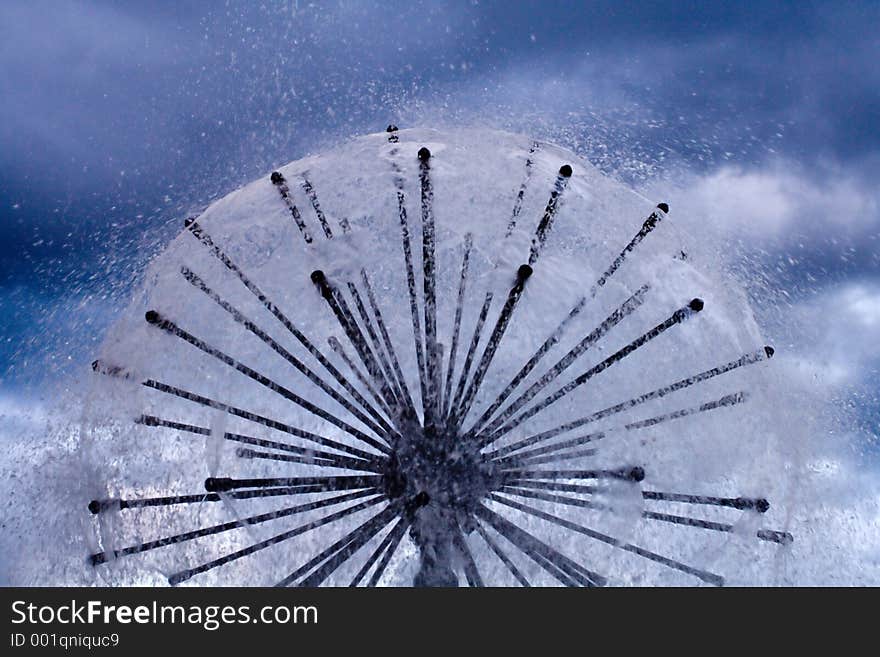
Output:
(663, 207)
(637, 473)
(565, 171)
(769, 351)
(152, 317)
(524, 272)
(189, 221)
(696, 304)
(424, 154)
(762, 505)
(421, 499)
(95, 507)
(318, 277)
(391, 128)
(95, 365)
(217, 485)
(276, 178)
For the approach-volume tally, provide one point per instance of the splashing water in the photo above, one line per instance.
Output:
(438, 358)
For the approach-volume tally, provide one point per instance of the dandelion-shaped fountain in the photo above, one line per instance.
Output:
(382, 396)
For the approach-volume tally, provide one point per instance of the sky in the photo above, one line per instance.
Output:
(121, 118)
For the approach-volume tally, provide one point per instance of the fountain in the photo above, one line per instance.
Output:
(433, 358)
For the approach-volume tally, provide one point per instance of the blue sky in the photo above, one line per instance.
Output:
(120, 118)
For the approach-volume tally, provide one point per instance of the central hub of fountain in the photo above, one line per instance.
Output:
(450, 478)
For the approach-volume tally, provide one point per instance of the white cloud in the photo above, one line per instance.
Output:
(840, 331)
(766, 202)
(863, 306)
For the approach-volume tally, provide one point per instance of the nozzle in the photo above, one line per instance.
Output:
(218, 485)
(637, 473)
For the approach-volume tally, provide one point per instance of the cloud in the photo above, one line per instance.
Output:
(839, 334)
(780, 199)
(66, 64)
(864, 308)
(791, 230)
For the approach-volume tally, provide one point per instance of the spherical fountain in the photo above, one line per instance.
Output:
(433, 358)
